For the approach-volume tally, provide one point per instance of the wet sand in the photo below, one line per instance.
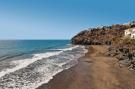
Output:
(94, 71)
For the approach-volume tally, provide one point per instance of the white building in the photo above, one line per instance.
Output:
(133, 35)
(130, 33)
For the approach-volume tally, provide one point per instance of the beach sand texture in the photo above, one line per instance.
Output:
(94, 71)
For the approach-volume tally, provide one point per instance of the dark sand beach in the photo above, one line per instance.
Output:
(94, 71)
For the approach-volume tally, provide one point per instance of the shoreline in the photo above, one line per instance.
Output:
(93, 71)
(69, 74)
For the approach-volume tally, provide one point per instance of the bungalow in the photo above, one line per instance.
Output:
(130, 33)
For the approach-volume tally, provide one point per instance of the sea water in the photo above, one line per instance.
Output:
(27, 64)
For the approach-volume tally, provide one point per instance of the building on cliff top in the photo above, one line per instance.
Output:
(130, 33)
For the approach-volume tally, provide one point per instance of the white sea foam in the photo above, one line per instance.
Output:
(43, 65)
(25, 62)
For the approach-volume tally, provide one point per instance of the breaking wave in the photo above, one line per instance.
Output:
(32, 72)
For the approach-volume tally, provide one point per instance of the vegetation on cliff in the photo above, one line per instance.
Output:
(101, 35)
(120, 47)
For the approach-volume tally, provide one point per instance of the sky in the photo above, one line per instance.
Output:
(60, 19)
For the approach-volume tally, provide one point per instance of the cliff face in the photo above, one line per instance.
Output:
(101, 35)
(121, 48)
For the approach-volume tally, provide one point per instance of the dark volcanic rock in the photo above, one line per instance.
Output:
(124, 55)
(122, 49)
(101, 35)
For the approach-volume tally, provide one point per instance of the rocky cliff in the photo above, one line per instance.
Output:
(120, 47)
(101, 35)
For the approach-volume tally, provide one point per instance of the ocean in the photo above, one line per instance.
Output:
(27, 64)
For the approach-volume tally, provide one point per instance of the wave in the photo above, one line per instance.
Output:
(9, 56)
(25, 62)
(33, 72)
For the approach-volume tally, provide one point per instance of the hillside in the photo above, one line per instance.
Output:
(101, 35)
(118, 46)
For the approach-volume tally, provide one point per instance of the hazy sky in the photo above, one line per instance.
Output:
(59, 19)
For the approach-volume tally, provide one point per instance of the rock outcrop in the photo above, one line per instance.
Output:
(121, 48)
(124, 51)
(101, 35)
